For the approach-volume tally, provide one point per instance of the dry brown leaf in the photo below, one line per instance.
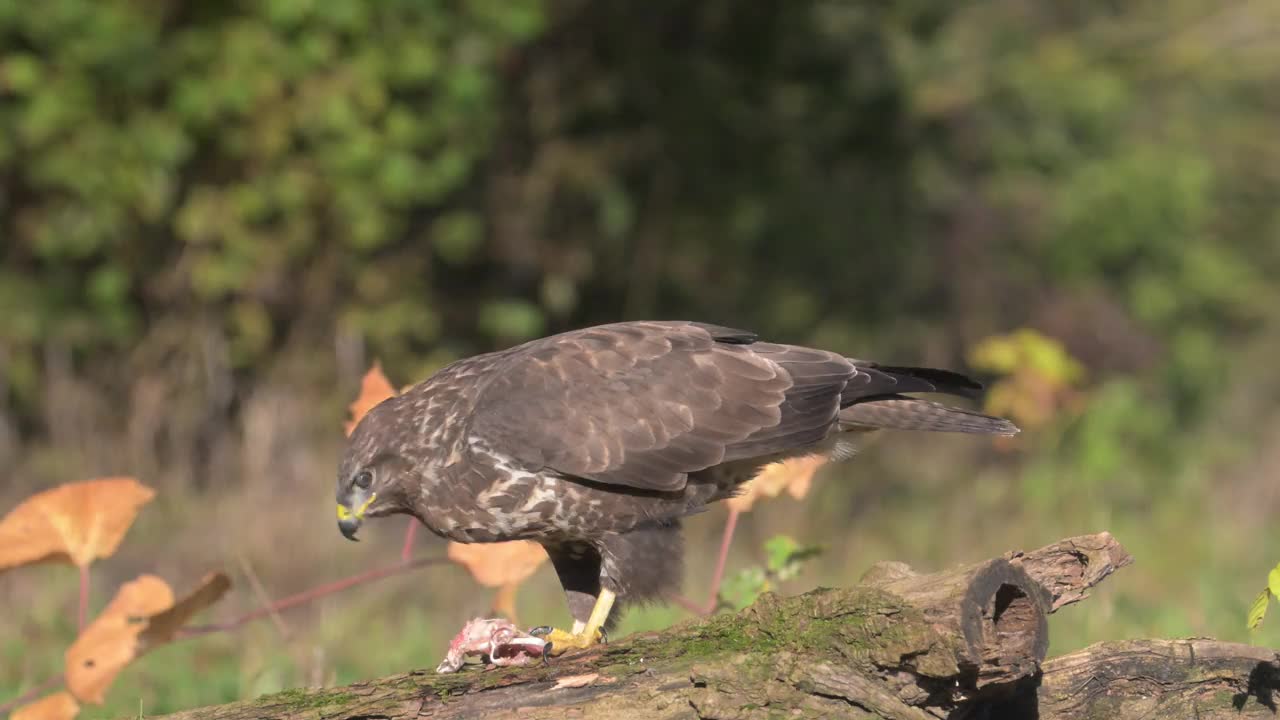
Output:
(141, 616)
(498, 564)
(111, 640)
(794, 475)
(374, 388)
(77, 522)
(575, 681)
(58, 706)
(163, 627)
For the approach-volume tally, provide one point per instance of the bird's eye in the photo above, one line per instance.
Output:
(364, 479)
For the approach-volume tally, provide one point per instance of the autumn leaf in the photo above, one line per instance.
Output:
(142, 616)
(794, 475)
(1040, 378)
(77, 522)
(374, 388)
(498, 564)
(163, 627)
(58, 706)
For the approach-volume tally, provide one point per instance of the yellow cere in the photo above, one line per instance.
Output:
(344, 513)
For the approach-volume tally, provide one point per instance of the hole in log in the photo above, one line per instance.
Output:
(1010, 627)
(1004, 624)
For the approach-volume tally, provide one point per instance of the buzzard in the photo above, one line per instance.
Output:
(597, 442)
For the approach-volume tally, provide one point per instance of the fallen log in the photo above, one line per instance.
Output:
(963, 643)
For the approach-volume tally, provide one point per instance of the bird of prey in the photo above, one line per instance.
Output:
(597, 442)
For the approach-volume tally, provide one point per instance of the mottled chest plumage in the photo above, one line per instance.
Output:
(487, 497)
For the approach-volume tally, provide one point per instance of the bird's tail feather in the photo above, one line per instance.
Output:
(895, 412)
(893, 379)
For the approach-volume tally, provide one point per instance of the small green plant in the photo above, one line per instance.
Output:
(784, 558)
(1258, 610)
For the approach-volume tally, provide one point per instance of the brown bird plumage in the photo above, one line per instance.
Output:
(596, 442)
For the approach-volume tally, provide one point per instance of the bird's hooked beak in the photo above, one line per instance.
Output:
(351, 514)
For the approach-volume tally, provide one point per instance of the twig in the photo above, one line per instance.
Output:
(82, 613)
(692, 606)
(32, 694)
(312, 594)
(411, 532)
(504, 602)
(713, 594)
(261, 592)
(726, 540)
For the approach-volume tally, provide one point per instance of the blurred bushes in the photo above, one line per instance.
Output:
(246, 167)
(221, 190)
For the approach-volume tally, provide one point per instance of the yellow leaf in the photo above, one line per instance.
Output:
(997, 354)
(1258, 610)
(141, 616)
(794, 475)
(76, 522)
(58, 706)
(374, 388)
(498, 564)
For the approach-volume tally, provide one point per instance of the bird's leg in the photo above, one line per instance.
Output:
(584, 635)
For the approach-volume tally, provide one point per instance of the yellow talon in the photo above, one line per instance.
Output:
(590, 634)
(562, 642)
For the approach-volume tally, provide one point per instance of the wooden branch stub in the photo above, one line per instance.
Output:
(1068, 568)
(995, 609)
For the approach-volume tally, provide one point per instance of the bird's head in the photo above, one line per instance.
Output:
(369, 476)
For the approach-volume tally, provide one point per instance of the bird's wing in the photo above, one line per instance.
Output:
(644, 404)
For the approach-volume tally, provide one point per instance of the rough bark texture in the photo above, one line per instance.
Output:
(1195, 678)
(964, 643)
(1068, 568)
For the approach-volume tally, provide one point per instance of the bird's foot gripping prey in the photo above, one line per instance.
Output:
(583, 635)
(596, 442)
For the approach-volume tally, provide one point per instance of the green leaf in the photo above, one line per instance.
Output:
(1258, 610)
(778, 549)
(1273, 581)
(786, 557)
(742, 589)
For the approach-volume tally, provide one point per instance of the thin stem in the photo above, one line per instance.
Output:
(684, 602)
(307, 596)
(726, 540)
(82, 613)
(504, 602)
(411, 532)
(264, 598)
(713, 599)
(32, 694)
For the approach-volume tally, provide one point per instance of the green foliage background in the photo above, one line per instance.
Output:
(214, 215)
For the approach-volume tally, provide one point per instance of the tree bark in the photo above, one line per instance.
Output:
(963, 643)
